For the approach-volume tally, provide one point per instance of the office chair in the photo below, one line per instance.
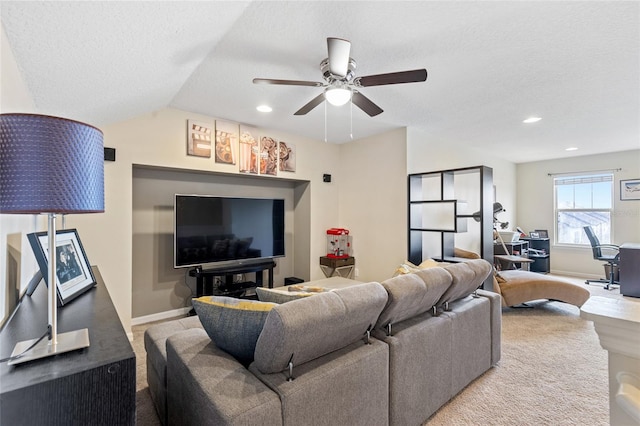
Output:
(596, 248)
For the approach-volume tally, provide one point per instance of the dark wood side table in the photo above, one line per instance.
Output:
(338, 266)
(91, 386)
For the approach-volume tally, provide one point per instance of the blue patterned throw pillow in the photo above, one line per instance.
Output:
(233, 324)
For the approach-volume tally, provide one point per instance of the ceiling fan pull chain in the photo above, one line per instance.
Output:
(351, 117)
(325, 121)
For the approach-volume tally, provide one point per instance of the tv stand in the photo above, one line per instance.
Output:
(205, 279)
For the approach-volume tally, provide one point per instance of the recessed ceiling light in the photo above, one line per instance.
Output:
(264, 108)
(531, 120)
(572, 148)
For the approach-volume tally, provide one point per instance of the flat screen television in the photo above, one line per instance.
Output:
(211, 231)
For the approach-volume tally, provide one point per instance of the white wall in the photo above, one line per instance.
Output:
(535, 205)
(427, 155)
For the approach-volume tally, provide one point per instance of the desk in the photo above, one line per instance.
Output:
(92, 386)
(630, 269)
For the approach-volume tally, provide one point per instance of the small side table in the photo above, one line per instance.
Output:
(337, 267)
(509, 261)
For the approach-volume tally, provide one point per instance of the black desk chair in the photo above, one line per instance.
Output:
(612, 260)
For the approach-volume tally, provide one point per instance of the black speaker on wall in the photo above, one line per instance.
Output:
(109, 154)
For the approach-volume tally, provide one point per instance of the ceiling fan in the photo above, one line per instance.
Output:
(340, 82)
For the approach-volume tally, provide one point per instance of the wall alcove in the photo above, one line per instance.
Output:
(157, 286)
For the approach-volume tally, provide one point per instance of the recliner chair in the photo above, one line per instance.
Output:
(613, 261)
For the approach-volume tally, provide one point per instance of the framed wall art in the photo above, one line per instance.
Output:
(630, 189)
(249, 150)
(227, 134)
(73, 272)
(287, 156)
(199, 139)
(268, 156)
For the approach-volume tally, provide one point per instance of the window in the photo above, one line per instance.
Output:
(582, 200)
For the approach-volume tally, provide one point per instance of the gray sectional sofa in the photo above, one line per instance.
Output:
(373, 353)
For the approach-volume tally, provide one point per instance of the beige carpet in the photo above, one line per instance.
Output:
(553, 372)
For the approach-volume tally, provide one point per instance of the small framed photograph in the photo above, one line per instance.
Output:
(630, 189)
(542, 233)
(534, 235)
(73, 272)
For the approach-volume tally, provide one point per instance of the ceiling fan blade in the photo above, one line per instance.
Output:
(365, 104)
(287, 82)
(310, 105)
(412, 76)
(339, 51)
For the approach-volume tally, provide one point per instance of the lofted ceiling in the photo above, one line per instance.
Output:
(490, 65)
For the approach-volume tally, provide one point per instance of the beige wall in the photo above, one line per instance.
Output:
(373, 202)
(17, 264)
(535, 205)
(159, 140)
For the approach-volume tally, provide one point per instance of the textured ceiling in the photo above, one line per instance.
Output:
(490, 64)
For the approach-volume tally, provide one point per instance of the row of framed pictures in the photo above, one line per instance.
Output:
(233, 142)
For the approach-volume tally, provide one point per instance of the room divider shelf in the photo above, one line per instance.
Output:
(436, 213)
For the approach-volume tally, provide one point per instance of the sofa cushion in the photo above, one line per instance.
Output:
(412, 294)
(466, 278)
(407, 267)
(458, 252)
(155, 338)
(279, 296)
(233, 324)
(306, 329)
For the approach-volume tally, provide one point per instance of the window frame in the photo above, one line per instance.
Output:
(557, 211)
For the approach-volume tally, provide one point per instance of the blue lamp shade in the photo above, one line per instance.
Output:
(50, 165)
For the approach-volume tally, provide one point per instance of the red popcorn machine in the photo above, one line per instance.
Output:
(338, 243)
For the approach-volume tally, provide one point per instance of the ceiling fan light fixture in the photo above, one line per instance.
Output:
(337, 96)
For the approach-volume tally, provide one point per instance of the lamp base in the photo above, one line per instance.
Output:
(67, 342)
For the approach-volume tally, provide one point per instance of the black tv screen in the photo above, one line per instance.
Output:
(218, 231)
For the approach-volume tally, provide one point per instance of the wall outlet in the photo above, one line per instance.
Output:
(356, 272)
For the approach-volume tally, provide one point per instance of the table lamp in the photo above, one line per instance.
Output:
(55, 166)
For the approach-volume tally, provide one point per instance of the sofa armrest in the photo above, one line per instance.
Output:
(496, 323)
(206, 385)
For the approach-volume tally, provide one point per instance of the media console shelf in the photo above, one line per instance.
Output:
(205, 283)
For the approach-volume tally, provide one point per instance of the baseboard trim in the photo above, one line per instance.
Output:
(160, 316)
(575, 274)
